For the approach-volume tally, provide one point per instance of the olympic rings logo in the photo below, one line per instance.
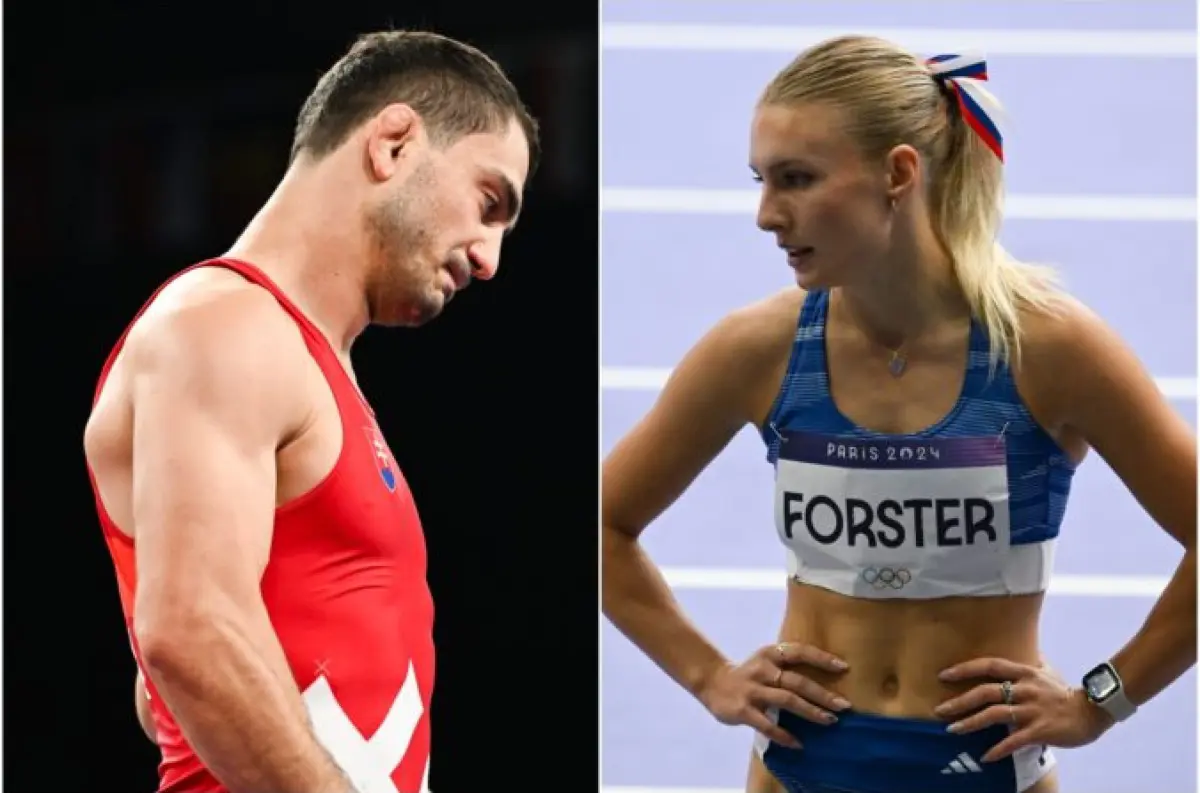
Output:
(883, 577)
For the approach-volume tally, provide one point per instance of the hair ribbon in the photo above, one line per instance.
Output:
(963, 75)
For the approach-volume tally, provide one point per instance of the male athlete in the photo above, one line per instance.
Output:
(270, 559)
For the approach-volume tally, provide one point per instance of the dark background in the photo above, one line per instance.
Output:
(141, 138)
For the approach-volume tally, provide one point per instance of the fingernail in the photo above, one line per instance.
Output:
(940, 709)
(840, 704)
(947, 674)
(954, 728)
(840, 665)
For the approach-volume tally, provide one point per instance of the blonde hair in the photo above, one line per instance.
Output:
(889, 97)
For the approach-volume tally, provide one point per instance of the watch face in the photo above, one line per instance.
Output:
(1101, 685)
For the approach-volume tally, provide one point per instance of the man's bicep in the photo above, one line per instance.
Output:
(203, 480)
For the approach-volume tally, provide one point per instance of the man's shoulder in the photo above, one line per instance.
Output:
(211, 322)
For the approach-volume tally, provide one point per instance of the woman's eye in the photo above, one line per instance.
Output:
(788, 179)
(796, 179)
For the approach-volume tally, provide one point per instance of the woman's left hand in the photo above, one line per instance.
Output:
(1040, 706)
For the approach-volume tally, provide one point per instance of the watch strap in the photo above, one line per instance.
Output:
(1116, 704)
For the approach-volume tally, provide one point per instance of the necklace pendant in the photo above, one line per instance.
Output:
(897, 365)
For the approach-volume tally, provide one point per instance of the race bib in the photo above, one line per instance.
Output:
(894, 518)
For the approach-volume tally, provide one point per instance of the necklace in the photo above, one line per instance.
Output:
(898, 363)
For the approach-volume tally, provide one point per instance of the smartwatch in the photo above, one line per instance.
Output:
(1104, 689)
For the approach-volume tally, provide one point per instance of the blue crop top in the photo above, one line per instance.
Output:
(971, 506)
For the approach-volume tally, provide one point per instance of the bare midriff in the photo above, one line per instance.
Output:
(897, 648)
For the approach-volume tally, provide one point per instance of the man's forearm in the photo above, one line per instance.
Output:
(241, 715)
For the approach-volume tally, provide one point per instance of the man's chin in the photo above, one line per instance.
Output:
(411, 311)
(422, 312)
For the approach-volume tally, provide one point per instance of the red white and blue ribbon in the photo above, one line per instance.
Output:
(963, 74)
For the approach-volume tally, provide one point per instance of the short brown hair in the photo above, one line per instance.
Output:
(456, 88)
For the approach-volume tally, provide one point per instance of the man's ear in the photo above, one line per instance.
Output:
(391, 136)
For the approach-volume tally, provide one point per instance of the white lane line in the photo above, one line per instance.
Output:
(771, 580)
(1017, 207)
(646, 378)
(791, 39)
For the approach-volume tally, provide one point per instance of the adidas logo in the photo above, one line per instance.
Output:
(963, 764)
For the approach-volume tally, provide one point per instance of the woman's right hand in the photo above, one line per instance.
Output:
(742, 693)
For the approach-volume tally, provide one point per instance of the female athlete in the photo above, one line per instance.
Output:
(924, 399)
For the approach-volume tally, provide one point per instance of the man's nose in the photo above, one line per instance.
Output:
(485, 260)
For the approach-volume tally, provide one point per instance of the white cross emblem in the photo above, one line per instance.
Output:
(368, 762)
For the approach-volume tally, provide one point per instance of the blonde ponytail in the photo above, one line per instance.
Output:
(966, 201)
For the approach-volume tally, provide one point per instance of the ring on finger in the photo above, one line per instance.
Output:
(1006, 693)
(778, 678)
